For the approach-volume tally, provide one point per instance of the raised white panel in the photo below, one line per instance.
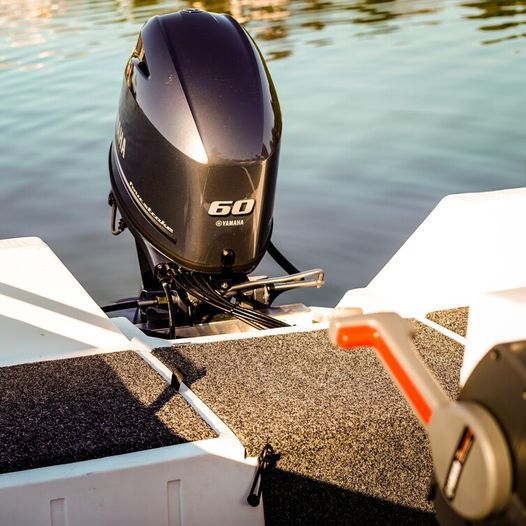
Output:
(57, 509)
(173, 490)
(469, 244)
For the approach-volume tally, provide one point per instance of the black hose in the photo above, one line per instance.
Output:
(199, 286)
(281, 260)
(194, 287)
(254, 318)
(121, 306)
(245, 314)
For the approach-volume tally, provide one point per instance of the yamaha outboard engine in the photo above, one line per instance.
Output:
(193, 168)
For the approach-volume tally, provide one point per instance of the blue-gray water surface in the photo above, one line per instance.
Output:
(388, 106)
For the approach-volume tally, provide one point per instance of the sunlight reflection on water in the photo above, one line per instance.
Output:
(388, 106)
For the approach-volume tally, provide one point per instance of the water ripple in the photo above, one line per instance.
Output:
(388, 106)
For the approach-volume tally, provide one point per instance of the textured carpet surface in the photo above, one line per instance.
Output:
(82, 408)
(455, 320)
(352, 451)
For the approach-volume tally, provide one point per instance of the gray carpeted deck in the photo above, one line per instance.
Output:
(352, 451)
(83, 408)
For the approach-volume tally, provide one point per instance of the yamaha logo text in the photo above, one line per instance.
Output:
(121, 139)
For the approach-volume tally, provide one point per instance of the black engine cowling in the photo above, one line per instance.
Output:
(195, 154)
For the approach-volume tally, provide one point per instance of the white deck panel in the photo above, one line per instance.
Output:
(469, 244)
(45, 313)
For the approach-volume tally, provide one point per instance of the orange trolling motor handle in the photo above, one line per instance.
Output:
(391, 336)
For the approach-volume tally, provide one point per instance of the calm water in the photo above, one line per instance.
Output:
(388, 106)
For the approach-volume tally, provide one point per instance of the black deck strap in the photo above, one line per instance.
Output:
(267, 459)
(177, 378)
